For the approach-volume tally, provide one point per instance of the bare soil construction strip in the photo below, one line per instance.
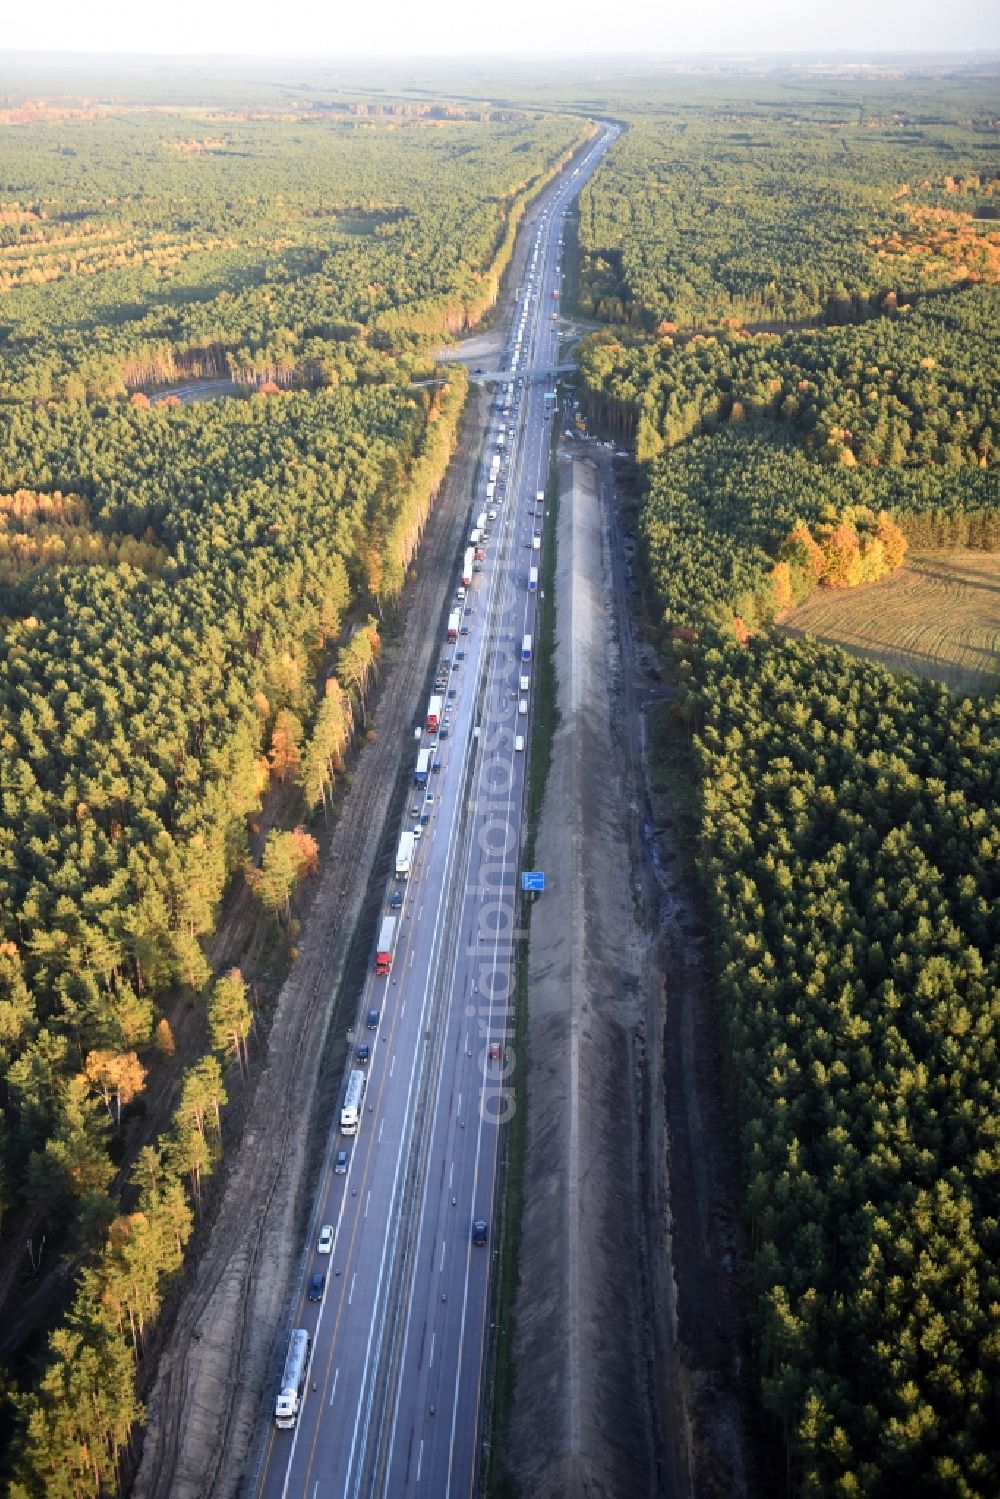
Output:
(583, 1421)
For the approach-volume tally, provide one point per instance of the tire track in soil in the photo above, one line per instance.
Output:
(224, 1345)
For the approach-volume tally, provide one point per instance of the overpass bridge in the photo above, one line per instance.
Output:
(532, 372)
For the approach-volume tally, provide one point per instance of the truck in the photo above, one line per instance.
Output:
(383, 951)
(539, 496)
(491, 489)
(532, 580)
(354, 1098)
(480, 553)
(434, 714)
(404, 855)
(481, 521)
(454, 621)
(526, 648)
(467, 565)
(423, 767)
(525, 681)
(293, 1378)
(494, 466)
(536, 543)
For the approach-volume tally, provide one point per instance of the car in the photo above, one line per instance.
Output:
(324, 1243)
(468, 608)
(396, 900)
(429, 799)
(425, 818)
(372, 1021)
(317, 1286)
(340, 1164)
(518, 743)
(452, 691)
(436, 765)
(362, 1055)
(443, 732)
(417, 831)
(492, 515)
(495, 1051)
(464, 630)
(459, 655)
(479, 1231)
(415, 809)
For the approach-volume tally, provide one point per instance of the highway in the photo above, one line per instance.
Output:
(399, 1339)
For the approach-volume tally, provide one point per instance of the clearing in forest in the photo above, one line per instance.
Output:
(938, 616)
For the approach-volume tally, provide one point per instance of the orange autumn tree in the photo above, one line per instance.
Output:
(856, 547)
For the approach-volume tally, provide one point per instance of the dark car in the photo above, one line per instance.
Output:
(436, 765)
(373, 1020)
(317, 1286)
(464, 630)
(459, 655)
(396, 900)
(362, 1054)
(452, 691)
(479, 1232)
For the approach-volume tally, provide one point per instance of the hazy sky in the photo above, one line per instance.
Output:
(341, 28)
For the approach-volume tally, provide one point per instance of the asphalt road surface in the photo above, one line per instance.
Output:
(399, 1338)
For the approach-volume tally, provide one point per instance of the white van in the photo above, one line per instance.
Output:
(460, 595)
(519, 743)
(522, 706)
(536, 543)
(525, 681)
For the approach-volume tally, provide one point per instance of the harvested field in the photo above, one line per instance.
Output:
(938, 616)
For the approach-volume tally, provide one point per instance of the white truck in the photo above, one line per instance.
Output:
(354, 1098)
(404, 856)
(481, 521)
(289, 1399)
(468, 560)
(525, 681)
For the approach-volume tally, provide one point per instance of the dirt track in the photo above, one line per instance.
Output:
(628, 1343)
(585, 1418)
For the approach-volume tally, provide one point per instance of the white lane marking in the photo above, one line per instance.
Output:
(350, 1297)
(421, 911)
(460, 1103)
(367, 1203)
(392, 1066)
(420, 1458)
(336, 1376)
(380, 1129)
(451, 1173)
(430, 1361)
(402, 1009)
(441, 1266)
(412, 956)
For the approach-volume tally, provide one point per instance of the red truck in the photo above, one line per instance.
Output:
(383, 953)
